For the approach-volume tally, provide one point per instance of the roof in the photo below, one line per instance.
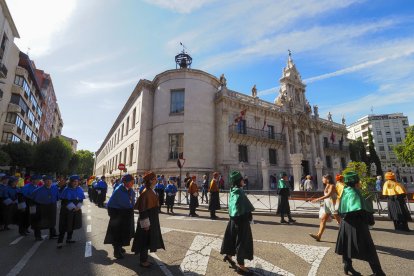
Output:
(8, 16)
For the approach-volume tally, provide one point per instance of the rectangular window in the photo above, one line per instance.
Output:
(243, 157)
(241, 127)
(379, 132)
(343, 163)
(325, 142)
(398, 139)
(271, 132)
(127, 127)
(177, 101)
(272, 156)
(125, 155)
(389, 140)
(176, 146)
(31, 116)
(381, 148)
(134, 114)
(380, 140)
(131, 154)
(19, 122)
(122, 132)
(28, 131)
(328, 162)
(34, 138)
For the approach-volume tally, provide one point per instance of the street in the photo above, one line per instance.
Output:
(192, 247)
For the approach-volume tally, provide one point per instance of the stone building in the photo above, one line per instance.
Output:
(191, 114)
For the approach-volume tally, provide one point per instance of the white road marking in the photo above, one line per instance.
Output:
(89, 217)
(23, 261)
(89, 205)
(89, 210)
(16, 240)
(161, 265)
(88, 249)
(89, 228)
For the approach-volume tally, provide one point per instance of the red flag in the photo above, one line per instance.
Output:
(241, 116)
(332, 137)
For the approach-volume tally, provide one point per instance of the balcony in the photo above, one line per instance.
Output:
(8, 127)
(15, 89)
(3, 71)
(254, 134)
(14, 108)
(336, 147)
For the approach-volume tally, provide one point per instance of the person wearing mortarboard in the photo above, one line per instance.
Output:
(29, 215)
(46, 198)
(160, 190)
(397, 209)
(148, 234)
(121, 216)
(193, 192)
(214, 196)
(170, 191)
(101, 188)
(70, 217)
(238, 238)
(283, 207)
(9, 203)
(354, 239)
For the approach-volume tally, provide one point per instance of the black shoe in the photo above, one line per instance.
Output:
(291, 220)
(350, 269)
(230, 261)
(244, 272)
(195, 215)
(283, 221)
(118, 254)
(123, 250)
(59, 245)
(70, 241)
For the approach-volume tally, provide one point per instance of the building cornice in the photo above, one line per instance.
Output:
(7, 14)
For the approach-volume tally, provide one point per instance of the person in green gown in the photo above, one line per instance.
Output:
(283, 191)
(238, 239)
(354, 239)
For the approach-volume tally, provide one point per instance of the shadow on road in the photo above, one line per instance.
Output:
(402, 253)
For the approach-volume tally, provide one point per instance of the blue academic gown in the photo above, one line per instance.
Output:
(45, 200)
(121, 217)
(170, 192)
(70, 220)
(9, 212)
(159, 189)
(101, 187)
(28, 218)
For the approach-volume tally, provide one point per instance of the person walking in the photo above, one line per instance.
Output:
(397, 209)
(70, 217)
(121, 216)
(283, 191)
(9, 203)
(329, 205)
(46, 198)
(193, 192)
(29, 215)
(170, 191)
(159, 190)
(187, 181)
(238, 238)
(378, 184)
(214, 196)
(204, 189)
(308, 184)
(101, 189)
(148, 234)
(354, 239)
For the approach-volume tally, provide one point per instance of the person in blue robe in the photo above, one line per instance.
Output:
(141, 188)
(121, 216)
(116, 184)
(101, 187)
(70, 217)
(28, 216)
(9, 202)
(45, 198)
(3, 187)
(170, 191)
(159, 189)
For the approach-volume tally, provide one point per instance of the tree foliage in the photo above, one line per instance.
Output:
(373, 156)
(53, 155)
(4, 158)
(21, 154)
(358, 153)
(405, 151)
(367, 182)
(86, 162)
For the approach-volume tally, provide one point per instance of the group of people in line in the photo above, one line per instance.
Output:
(34, 206)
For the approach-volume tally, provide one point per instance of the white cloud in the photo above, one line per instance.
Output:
(38, 21)
(180, 6)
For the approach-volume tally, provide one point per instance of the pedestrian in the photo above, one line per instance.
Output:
(238, 238)
(378, 184)
(3, 187)
(148, 234)
(187, 181)
(70, 217)
(101, 189)
(221, 182)
(204, 189)
(94, 196)
(121, 216)
(193, 192)
(329, 206)
(89, 183)
(9, 203)
(397, 209)
(354, 239)
(29, 216)
(45, 198)
(160, 191)
(283, 191)
(291, 182)
(246, 182)
(170, 191)
(339, 187)
(308, 184)
(214, 196)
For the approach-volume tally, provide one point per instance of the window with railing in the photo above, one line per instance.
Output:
(31, 116)
(176, 146)
(243, 153)
(272, 156)
(271, 132)
(328, 162)
(10, 138)
(241, 127)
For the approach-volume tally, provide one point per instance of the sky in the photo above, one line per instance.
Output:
(356, 57)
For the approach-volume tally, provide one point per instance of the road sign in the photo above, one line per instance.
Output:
(180, 162)
(121, 167)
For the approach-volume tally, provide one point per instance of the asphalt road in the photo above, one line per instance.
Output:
(192, 246)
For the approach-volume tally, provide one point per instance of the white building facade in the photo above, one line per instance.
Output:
(190, 114)
(387, 130)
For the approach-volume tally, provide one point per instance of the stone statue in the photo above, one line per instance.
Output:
(308, 108)
(329, 116)
(254, 91)
(343, 119)
(223, 81)
(315, 110)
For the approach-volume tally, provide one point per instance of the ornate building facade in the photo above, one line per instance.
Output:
(190, 114)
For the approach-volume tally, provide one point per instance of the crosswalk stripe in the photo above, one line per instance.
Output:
(16, 240)
(89, 228)
(88, 249)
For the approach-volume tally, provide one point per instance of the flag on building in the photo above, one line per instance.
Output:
(333, 137)
(264, 123)
(240, 116)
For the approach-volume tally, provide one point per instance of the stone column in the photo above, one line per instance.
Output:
(319, 167)
(265, 175)
(287, 142)
(336, 166)
(320, 141)
(295, 141)
(314, 154)
(296, 161)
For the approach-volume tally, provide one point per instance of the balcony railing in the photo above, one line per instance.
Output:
(3, 71)
(337, 147)
(256, 133)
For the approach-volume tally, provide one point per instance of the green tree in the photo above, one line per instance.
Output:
(367, 182)
(358, 151)
(53, 156)
(86, 162)
(373, 156)
(21, 154)
(73, 165)
(4, 158)
(405, 151)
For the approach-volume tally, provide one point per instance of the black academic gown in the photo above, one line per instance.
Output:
(120, 227)
(69, 220)
(214, 203)
(398, 212)
(283, 207)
